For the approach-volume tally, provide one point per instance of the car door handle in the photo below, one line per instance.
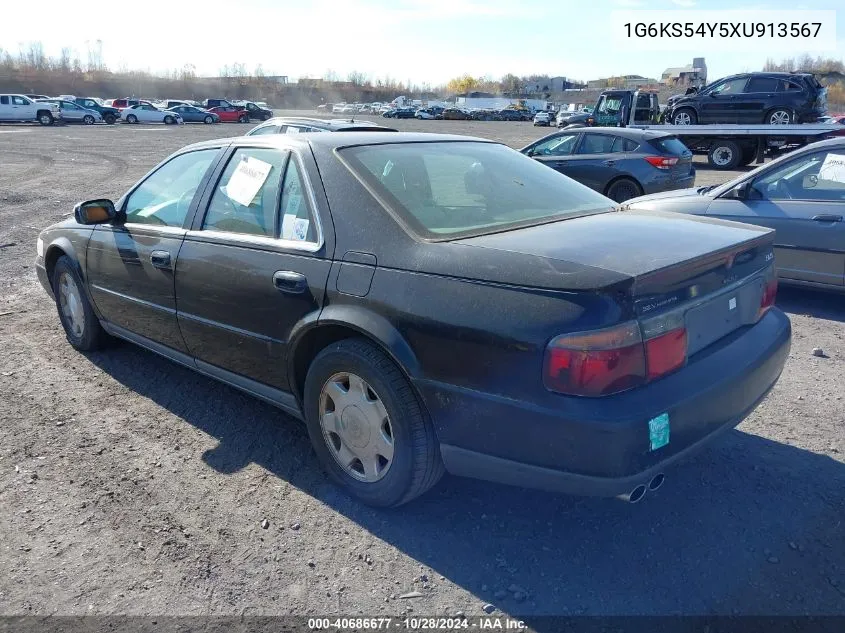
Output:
(827, 217)
(290, 282)
(609, 163)
(160, 259)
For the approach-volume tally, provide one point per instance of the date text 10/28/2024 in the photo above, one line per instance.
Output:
(416, 624)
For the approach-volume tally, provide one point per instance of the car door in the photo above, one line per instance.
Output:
(5, 108)
(719, 103)
(71, 112)
(755, 101)
(804, 201)
(253, 265)
(22, 109)
(130, 265)
(593, 163)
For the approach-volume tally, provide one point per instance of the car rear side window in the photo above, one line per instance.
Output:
(4, 100)
(297, 221)
(446, 190)
(670, 145)
(246, 197)
(163, 199)
(596, 144)
(762, 84)
(625, 145)
(788, 86)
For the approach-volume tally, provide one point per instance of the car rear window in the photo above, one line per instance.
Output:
(448, 190)
(670, 145)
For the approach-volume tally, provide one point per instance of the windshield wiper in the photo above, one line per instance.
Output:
(703, 190)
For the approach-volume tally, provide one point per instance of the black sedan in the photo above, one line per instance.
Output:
(430, 303)
(400, 113)
(621, 163)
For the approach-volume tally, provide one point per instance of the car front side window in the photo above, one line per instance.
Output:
(817, 176)
(557, 146)
(730, 87)
(246, 197)
(163, 199)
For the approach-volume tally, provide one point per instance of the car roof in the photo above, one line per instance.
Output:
(337, 141)
(624, 132)
(326, 124)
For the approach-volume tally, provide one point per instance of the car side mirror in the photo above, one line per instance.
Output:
(740, 192)
(99, 211)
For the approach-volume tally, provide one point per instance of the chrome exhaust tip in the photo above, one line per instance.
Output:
(635, 495)
(656, 482)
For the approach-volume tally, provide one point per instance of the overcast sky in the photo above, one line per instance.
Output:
(425, 41)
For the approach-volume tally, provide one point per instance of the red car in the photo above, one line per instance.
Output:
(230, 114)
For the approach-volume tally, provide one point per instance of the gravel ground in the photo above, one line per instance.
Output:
(129, 485)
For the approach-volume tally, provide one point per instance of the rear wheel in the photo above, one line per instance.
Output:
(749, 155)
(81, 325)
(208, 120)
(110, 119)
(724, 155)
(684, 116)
(88, 119)
(368, 428)
(243, 119)
(623, 189)
(265, 117)
(780, 116)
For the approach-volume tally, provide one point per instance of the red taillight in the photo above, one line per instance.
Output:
(666, 353)
(770, 293)
(609, 361)
(662, 162)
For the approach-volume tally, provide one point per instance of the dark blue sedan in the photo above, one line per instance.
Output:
(191, 114)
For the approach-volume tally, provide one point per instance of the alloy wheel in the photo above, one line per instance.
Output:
(71, 303)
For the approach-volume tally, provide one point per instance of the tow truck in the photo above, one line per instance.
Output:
(727, 146)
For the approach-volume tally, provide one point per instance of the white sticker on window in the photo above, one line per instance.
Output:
(833, 168)
(247, 180)
(294, 228)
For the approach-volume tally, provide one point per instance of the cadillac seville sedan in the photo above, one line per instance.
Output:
(432, 303)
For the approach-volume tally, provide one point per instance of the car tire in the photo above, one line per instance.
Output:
(88, 119)
(169, 120)
(45, 118)
(779, 116)
(243, 119)
(724, 155)
(749, 155)
(383, 411)
(266, 117)
(623, 189)
(208, 120)
(684, 116)
(110, 119)
(131, 118)
(81, 325)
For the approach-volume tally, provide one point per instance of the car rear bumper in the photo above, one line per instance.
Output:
(602, 446)
(668, 183)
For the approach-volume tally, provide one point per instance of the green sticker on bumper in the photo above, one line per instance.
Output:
(658, 431)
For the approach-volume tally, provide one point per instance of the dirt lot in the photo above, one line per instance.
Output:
(131, 485)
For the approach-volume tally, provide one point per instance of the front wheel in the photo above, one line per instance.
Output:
(169, 120)
(367, 426)
(266, 117)
(110, 119)
(81, 325)
(684, 116)
(208, 120)
(45, 118)
(88, 119)
(131, 119)
(623, 189)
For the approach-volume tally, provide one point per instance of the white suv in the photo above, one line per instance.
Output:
(21, 108)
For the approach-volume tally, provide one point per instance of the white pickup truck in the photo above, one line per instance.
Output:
(20, 108)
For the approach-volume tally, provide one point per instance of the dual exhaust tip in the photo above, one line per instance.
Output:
(638, 493)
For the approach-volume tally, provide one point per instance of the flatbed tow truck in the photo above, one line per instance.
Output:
(727, 146)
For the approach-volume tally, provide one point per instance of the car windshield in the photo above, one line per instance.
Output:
(447, 190)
